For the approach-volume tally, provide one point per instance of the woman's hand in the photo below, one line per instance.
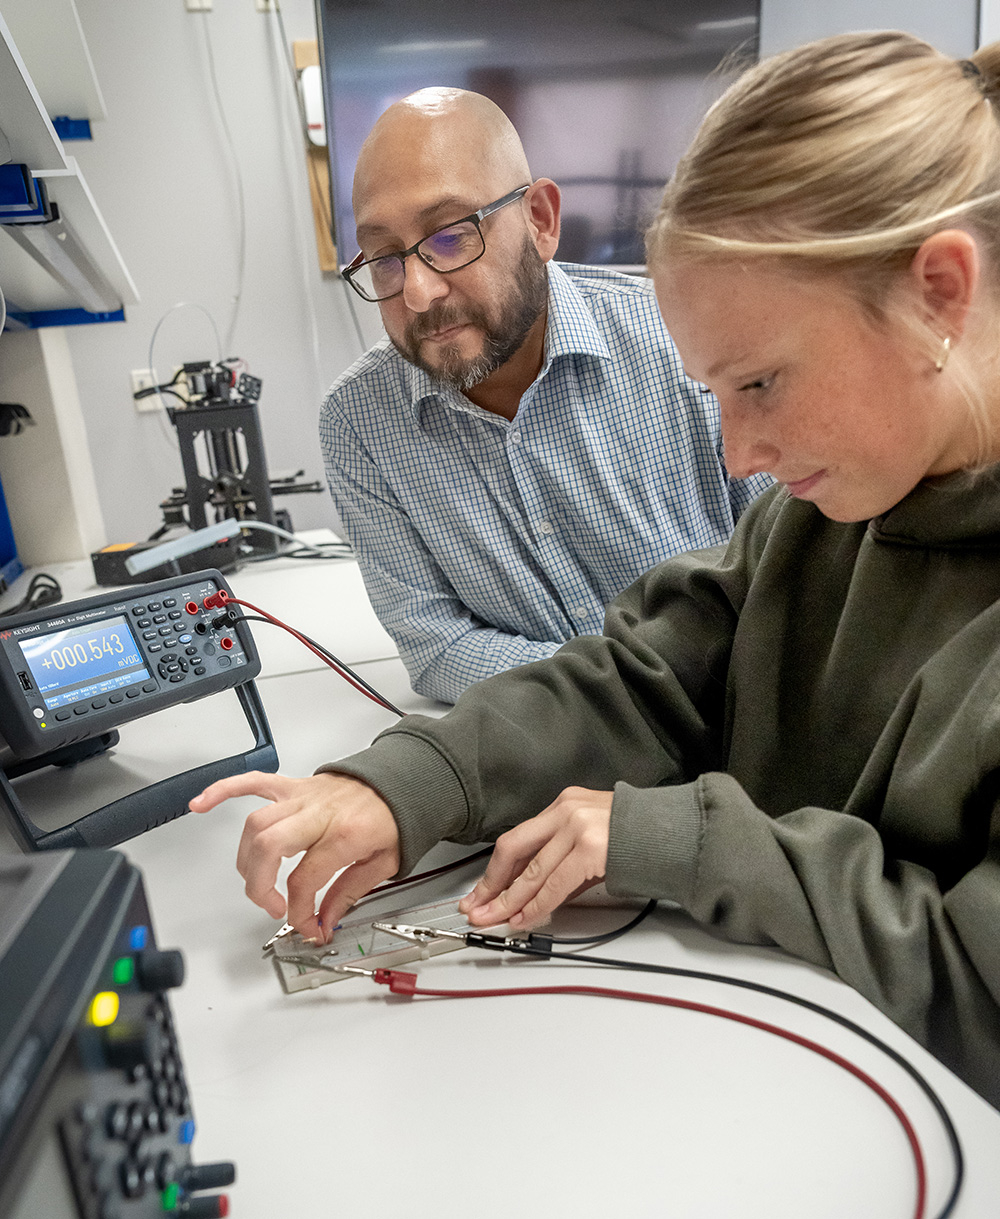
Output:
(337, 820)
(537, 865)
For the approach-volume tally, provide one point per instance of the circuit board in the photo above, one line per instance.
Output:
(358, 942)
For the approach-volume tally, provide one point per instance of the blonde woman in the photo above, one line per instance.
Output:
(800, 742)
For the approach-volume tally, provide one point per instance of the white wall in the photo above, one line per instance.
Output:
(950, 25)
(164, 179)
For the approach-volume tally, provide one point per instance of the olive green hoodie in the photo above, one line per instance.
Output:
(803, 735)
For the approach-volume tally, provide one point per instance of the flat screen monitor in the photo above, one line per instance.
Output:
(605, 94)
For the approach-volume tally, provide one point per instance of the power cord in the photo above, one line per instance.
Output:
(42, 590)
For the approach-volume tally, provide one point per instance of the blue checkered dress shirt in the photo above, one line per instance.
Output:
(486, 543)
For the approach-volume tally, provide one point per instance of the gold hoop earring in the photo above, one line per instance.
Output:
(943, 355)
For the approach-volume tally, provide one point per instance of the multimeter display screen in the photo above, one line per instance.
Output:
(84, 661)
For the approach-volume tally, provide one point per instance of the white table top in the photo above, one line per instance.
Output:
(341, 1101)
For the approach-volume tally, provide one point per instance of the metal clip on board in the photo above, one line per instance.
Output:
(71, 674)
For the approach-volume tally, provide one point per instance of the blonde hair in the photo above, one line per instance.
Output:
(850, 149)
(842, 157)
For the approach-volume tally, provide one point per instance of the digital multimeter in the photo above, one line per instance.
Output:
(75, 672)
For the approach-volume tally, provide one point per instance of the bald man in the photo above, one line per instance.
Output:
(524, 444)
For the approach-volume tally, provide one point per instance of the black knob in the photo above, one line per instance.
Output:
(132, 1043)
(212, 1206)
(160, 969)
(208, 1176)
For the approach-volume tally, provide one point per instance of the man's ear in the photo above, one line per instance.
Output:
(945, 273)
(541, 208)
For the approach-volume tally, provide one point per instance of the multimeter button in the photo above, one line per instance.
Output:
(169, 602)
(155, 647)
(116, 1120)
(160, 618)
(148, 686)
(199, 671)
(133, 1186)
(80, 709)
(133, 692)
(181, 626)
(144, 622)
(177, 677)
(63, 715)
(170, 643)
(98, 703)
(190, 651)
(138, 610)
(116, 698)
(149, 634)
(224, 662)
(153, 606)
(165, 630)
(184, 639)
(174, 614)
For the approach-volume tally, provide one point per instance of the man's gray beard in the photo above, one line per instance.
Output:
(518, 313)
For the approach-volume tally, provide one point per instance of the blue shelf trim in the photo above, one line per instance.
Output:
(18, 319)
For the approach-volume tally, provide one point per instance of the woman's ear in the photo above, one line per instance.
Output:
(945, 275)
(542, 214)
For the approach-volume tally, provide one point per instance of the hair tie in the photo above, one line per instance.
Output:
(971, 72)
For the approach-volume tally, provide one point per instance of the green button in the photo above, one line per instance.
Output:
(124, 971)
(170, 1196)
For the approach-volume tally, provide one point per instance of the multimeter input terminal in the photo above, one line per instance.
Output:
(201, 628)
(225, 643)
(229, 618)
(192, 607)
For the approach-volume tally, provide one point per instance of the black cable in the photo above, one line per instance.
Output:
(539, 949)
(159, 389)
(647, 910)
(336, 552)
(43, 590)
(340, 665)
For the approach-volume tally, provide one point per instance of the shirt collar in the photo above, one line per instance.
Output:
(570, 330)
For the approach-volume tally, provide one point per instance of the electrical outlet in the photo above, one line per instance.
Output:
(198, 6)
(145, 378)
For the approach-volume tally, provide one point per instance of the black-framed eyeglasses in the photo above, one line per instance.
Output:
(449, 249)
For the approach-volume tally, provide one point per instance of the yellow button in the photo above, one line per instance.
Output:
(103, 1009)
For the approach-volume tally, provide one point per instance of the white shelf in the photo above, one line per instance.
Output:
(59, 65)
(27, 137)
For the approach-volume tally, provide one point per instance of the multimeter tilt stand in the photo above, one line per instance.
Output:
(71, 674)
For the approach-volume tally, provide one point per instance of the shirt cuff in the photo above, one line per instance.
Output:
(655, 842)
(422, 790)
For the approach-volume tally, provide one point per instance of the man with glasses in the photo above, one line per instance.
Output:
(524, 444)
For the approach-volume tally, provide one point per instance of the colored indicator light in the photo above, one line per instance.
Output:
(170, 1197)
(137, 937)
(123, 971)
(185, 1132)
(103, 1009)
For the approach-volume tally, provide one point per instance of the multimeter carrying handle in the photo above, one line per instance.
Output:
(70, 673)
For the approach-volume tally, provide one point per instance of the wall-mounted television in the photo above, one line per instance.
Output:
(605, 94)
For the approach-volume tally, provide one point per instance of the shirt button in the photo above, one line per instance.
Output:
(581, 612)
(545, 527)
(515, 437)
